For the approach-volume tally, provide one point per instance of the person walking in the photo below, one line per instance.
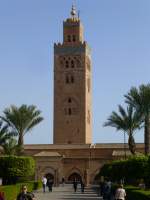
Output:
(44, 182)
(63, 181)
(82, 186)
(120, 193)
(75, 183)
(50, 184)
(106, 190)
(25, 195)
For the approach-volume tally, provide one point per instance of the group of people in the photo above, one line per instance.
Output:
(106, 190)
(75, 185)
(47, 182)
(108, 193)
(25, 195)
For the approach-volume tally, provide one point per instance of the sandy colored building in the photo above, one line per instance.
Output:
(72, 153)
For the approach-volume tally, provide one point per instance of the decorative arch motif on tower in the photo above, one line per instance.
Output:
(70, 62)
(70, 106)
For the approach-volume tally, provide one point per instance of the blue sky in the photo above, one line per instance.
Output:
(119, 34)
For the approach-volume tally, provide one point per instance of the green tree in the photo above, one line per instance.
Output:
(4, 135)
(139, 98)
(13, 167)
(127, 121)
(22, 119)
(10, 147)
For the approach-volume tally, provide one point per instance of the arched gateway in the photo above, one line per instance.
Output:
(74, 176)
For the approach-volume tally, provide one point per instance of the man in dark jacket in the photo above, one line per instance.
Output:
(25, 195)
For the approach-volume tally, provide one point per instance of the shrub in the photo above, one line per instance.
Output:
(136, 193)
(131, 170)
(11, 191)
(13, 167)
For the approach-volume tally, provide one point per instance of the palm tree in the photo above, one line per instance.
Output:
(10, 147)
(140, 99)
(127, 121)
(4, 134)
(22, 119)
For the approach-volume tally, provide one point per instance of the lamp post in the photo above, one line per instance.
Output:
(92, 146)
(90, 155)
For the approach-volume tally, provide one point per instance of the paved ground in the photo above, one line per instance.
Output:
(66, 192)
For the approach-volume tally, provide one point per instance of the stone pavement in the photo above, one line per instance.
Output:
(67, 192)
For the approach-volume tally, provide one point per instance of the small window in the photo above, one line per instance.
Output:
(67, 64)
(69, 38)
(69, 111)
(73, 38)
(72, 79)
(69, 100)
(72, 64)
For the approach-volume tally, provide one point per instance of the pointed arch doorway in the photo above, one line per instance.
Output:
(74, 176)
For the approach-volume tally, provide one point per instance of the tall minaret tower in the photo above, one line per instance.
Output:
(72, 85)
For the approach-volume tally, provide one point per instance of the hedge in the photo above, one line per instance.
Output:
(132, 169)
(11, 191)
(13, 167)
(136, 193)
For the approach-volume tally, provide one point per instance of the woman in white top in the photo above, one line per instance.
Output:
(120, 193)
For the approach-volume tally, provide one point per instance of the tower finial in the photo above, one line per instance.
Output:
(73, 11)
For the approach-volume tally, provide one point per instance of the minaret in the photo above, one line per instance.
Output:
(72, 85)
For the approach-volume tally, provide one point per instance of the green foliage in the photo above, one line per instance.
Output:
(37, 185)
(4, 135)
(12, 167)
(21, 119)
(11, 191)
(139, 98)
(10, 147)
(136, 167)
(136, 193)
(127, 121)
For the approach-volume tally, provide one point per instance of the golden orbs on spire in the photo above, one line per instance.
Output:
(73, 12)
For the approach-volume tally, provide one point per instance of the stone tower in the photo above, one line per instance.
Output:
(72, 86)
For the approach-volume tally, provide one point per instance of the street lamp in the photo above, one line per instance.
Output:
(89, 165)
(90, 156)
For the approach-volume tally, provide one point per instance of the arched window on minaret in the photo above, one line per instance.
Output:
(69, 38)
(72, 63)
(69, 100)
(69, 111)
(67, 64)
(67, 79)
(73, 38)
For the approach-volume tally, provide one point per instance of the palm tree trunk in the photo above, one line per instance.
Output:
(20, 140)
(147, 135)
(132, 145)
(20, 144)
